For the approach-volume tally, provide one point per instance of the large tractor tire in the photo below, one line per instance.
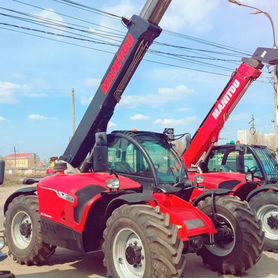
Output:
(239, 240)
(23, 232)
(139, 241)
(265, 205)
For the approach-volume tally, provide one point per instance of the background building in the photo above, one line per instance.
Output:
(21, 161)
(266, 139)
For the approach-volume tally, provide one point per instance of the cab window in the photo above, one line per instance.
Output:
(251, 165)
(215, 161)
(221, 161)
(124, 157)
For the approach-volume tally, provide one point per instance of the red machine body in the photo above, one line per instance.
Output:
(213, 181)
(56, 190)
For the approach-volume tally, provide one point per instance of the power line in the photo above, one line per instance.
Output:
(49, 23)
(196, 39)
(88, 39)
(110, 52)
(88, 8)
(56, 34)
(113, 53)
(40, 19)
(59, 41)
(192, 50)
(69, 16)
(182, 67)
(206, 42)
(175, 56)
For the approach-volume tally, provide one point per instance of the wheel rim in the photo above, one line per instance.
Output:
(225, 239)
(128, 254)
(268, 214)
(21, 229)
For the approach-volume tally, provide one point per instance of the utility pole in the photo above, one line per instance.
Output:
(252, 129)
(14, 158)
(259, 11)
(276, 109)
(73, 112)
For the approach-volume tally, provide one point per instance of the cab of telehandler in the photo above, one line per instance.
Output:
(146, 157)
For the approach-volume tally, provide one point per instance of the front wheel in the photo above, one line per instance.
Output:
(239, 240)
(265, 205)
(23, 232)
(139, 241)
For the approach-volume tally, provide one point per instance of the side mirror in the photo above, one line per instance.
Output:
(2, 171)
(100, 155)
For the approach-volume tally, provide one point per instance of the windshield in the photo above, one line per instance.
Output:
(269, 163)
(169, 168)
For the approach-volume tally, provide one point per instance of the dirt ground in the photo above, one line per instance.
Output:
(70, 264)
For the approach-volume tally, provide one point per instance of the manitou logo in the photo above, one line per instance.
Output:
(225, 99)
(118, 63)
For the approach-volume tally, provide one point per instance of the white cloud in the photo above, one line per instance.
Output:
(163, 97)
(171, 122)
(50, 14)
(111, 124)
(193, 14)
(240, 117)
(84, 100)
(36, 95)
(7, 92)
(10, 92)
(124, 8)
(175, 75)
(139, 117)
(184, 109)
(2, 119)
(92, 83)
(39, 117)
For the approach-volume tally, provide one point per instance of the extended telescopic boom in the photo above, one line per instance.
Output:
(208, 132)
(142, 30)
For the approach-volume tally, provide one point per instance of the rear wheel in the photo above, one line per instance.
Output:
(23, 232)
(139, 241)
(239, 239)
(265, 205)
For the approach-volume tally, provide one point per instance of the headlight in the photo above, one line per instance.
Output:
(2, 242)
(199, 179)
(113, 184)
(249, 177)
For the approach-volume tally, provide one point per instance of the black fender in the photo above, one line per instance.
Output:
(244, 189)
(22, 191)
(132, 198)
(211, 193)
(263, 188)
(101, 210)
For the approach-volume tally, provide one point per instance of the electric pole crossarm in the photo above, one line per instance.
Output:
(140, 35)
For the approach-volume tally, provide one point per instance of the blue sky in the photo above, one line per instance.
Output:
(37, 75)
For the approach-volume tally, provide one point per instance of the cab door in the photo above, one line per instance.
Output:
(126, 159)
